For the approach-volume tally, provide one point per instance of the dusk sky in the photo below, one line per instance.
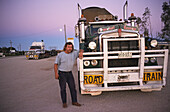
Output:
(25, 21)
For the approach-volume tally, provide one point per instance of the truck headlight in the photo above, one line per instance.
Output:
(153, 60)
(146, 60)
(94, 62)
(154, 43)
(86, 63)
(92, 45)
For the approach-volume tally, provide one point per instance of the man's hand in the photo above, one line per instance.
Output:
(56, 76)
(81, 53)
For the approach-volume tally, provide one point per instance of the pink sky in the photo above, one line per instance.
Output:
(24, 19)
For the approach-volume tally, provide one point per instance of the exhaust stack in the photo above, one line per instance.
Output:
(125, 11)
(80, 10)
(82, 21)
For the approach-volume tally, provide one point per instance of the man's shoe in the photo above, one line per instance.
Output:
(64, 105)
(76, 104)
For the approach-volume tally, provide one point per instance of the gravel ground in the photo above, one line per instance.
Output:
(30, 86)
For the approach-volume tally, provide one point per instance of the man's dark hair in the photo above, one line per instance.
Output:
(68, 43)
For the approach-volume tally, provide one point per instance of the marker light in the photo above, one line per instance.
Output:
(132, 14)
(82, 16)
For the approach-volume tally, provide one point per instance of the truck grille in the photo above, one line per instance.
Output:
(122, 62)
(31, 52)
(123, 45)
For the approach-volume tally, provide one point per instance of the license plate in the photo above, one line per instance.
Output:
(93, 79)
(152, 76)
(125, 55)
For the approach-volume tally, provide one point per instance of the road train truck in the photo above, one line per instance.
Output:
(37, 51)
(116, 56)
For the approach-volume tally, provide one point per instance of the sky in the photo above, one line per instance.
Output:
(25, 21)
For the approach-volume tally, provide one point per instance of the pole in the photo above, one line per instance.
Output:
(11, 44)
(20, 47)
(65, 33)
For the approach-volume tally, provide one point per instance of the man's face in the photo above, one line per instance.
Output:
(69, 48)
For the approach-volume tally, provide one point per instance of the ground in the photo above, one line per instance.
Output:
(30, 86)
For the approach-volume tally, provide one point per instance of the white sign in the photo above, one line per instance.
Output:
(70, 40)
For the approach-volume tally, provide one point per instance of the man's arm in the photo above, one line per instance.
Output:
(56, 71)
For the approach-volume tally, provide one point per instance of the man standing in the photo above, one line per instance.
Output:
(63, 71)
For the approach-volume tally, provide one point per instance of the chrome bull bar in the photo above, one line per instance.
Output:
(142, 55)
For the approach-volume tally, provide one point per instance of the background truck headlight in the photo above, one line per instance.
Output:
(86, 63)
(94, 62)
(92, 45)
(154, 43)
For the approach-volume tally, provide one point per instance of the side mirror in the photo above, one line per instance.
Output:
(76, 31)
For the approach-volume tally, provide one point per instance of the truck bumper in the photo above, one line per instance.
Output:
(135, 87)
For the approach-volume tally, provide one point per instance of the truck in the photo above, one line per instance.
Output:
(37, 51)
(116, 56)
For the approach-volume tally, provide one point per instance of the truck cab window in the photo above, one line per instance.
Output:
(35, 47)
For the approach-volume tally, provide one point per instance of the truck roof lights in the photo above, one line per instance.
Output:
(82, 16)
(132, 17)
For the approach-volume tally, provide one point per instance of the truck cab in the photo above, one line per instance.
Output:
(115, 54)
(36, 50)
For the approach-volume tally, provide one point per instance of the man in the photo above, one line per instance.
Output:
(63, 71)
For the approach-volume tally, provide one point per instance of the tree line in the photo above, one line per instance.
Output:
(144, 23)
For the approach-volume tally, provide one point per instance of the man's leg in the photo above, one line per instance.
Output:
(71, 84)
(62, 82)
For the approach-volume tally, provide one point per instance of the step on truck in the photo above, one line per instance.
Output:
(116, 57)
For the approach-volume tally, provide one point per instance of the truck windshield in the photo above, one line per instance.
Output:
(35, 47)
(94, 28)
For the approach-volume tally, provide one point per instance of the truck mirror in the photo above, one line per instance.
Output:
(76, 31)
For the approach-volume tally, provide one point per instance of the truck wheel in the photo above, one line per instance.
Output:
(39, 56)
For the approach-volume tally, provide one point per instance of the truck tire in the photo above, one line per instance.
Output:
(40, 56)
